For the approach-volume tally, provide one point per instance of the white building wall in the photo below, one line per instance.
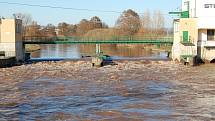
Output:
(205, 8)
(204, 12)
(206, 22)
(200, 8)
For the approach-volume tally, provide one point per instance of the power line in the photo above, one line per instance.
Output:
(58, 7)
(64, 8)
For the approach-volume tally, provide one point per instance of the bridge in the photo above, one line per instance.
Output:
(157, 40)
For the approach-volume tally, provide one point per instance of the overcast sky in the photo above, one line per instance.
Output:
(48, 15)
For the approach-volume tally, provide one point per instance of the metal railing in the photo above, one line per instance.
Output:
(190, 42)
(98, 38)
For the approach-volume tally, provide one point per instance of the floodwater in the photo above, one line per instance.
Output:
(46, 99)
(125, 91)
(86, 100)
(117, 51)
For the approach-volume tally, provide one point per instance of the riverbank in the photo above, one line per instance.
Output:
(127, 90)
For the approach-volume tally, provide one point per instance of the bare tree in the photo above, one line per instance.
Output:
(86, 25)
(65, 29)
(49, 30)
(96, 22)
(128, 22)
(83, 27)
(72, 29)
(146, 22)
(158, 23)
(26, 20)
(104, 25)
(33, 29)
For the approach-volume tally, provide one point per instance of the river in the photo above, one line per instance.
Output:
(116, 51)
(125, 91)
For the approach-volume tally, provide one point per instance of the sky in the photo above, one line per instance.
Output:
(49, 15)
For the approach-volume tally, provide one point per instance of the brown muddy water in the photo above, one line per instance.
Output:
(116, 51)
(127, 90)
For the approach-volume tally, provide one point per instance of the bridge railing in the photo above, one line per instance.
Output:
(127, 38)
(117, 38)
(96, 38)
(39, 38)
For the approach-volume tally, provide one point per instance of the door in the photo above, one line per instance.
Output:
(185, 36)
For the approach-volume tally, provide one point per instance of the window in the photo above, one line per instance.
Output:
(176, 29)
(211, 35)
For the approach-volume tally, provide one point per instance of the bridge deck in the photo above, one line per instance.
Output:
(79, 40)
(101, 42)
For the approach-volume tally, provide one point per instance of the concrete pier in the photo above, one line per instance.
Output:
(11, 39)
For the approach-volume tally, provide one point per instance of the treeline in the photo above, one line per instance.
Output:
(129, 23)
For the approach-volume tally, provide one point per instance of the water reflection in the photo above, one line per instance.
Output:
(57, 51)
(117, 51)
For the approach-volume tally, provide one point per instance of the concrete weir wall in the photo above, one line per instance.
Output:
(11, 39)
(8, 48)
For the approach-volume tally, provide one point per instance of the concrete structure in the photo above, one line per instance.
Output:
(194, 31)
(11, 38)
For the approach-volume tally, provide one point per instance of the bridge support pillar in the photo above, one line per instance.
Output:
(20, 51)
(98, 48)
